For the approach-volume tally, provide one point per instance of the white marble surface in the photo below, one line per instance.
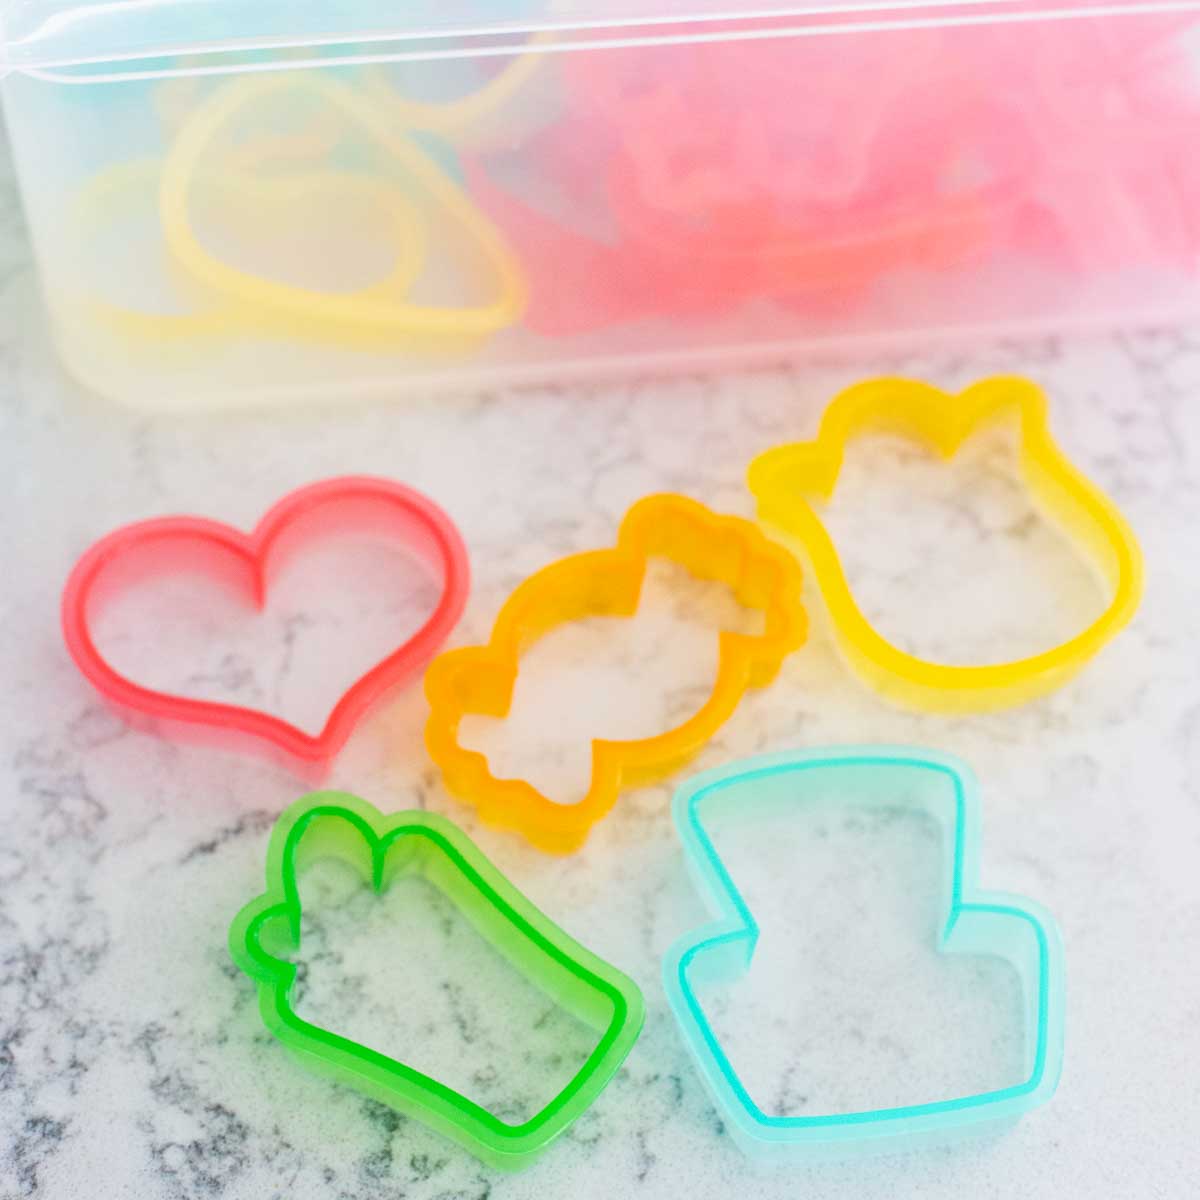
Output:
(132, 1061)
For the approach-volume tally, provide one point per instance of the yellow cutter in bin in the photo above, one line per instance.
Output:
(226, 299)
(788, 479)
(493, 114)
(481, 679)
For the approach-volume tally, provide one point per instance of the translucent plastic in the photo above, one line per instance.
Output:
(976, 922)
(247, 563)
(265, 935)
(787, 481)
(449, 193)
(480, 679)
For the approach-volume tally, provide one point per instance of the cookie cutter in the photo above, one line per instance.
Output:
(716, 193)
(580, 283)
(480, 679)
(382, 847)
(977, 922)
(496, 113)
(111, 191)
(786, 480)
(228, 298)
(246, 562)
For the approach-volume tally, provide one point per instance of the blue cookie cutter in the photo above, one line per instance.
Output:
(978, 922)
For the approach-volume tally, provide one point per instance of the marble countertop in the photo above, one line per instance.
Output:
(132, 1059)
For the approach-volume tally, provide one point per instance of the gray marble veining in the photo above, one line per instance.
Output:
(132, 1059)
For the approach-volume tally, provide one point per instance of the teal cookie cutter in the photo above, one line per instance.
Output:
(334, 824)
(977, 922)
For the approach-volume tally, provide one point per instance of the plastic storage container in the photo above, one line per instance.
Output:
(234, 202)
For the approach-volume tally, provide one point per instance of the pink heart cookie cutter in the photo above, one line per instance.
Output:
(248, 562)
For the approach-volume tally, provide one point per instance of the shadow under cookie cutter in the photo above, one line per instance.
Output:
(246, 560)
(267, 930)
(481, 679)
(977, 922)
(787, 479)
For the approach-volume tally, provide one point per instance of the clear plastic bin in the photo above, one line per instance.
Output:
(233, 203)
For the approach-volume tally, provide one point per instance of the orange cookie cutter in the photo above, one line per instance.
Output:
(786, 479)
(481, 679)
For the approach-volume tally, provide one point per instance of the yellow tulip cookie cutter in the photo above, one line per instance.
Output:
(787, 479)
(383, 313)
(481, 679)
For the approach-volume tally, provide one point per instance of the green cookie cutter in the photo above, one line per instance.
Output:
(337, 825)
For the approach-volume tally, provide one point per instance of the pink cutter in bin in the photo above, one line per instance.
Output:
(717, 185)
(247, 562)
(718, 193)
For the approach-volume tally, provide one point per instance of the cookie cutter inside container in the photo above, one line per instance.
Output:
(494, 113)
(941, 149)
(223, 298)
(267, 931)
(717, 194)
(481, 679)
(790, 480)
(246, 563)
(977, 922)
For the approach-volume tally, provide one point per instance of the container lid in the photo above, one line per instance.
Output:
(44, 35)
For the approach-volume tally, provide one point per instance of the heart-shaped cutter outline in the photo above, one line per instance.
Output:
(531, 942)
(786, 479)
(977, 922)
(367, 315)
(412, 517)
